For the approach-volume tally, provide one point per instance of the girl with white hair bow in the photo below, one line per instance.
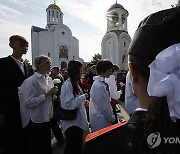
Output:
(154, 64)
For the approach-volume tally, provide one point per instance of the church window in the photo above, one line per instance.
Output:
(63, 52)
(124, 44)
(108, 17)
(49, 55)
(123, 19)
(52, 16)
(49, 15)
(115, 18)
(123, 58)
(57, 17)
(63, 32)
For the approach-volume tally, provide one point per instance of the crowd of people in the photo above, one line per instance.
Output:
(71, 101)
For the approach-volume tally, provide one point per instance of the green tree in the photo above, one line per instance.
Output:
(96, 58)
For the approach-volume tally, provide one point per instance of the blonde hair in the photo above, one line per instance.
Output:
(41, 60)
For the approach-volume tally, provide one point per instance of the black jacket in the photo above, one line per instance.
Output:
(10, 79)
(124, 140)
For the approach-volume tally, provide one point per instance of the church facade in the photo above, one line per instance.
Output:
(116, 41)
(56, 40)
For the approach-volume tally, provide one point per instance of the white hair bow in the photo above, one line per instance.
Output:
(164, 78)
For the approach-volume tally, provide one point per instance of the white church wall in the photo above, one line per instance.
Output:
(46, 44)
(123, 47)
(75, 53)
(63, 36)
(57, 37)
(109, 47)
(34, 45)
(63, 32)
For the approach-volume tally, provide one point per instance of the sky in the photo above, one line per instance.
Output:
(85, 18)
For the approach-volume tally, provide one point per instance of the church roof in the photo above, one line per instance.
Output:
(54, 6)
(38, 29)
(116, 5)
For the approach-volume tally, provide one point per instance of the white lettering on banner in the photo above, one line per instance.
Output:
(154, 140)
(171, 140)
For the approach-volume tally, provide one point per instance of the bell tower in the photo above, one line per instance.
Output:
(116, 18)
(116, 41)
(54, 15)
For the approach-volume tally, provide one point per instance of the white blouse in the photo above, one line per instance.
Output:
(69, 102)
(131, 101)
(113, 87)
(100, 110)
(33, 103)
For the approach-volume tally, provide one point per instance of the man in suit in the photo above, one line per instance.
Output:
(13, 72)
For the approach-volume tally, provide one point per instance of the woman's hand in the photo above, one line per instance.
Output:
(54, 98)
(52, 91)
(86, 95)
(86, 103)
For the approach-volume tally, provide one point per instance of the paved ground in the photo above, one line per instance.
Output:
(59, 148)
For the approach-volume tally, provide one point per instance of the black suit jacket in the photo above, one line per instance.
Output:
(123, 140)
(11, 78)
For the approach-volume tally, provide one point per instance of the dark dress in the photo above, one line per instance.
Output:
(124, 140)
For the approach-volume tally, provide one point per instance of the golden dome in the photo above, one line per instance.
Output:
(54, 6)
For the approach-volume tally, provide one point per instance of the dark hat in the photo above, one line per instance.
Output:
(154, 34)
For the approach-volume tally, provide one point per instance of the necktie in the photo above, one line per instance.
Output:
(107, 86)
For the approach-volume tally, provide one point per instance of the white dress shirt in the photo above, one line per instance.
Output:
(69, 102)
(20, 64)
(100, 110)
(33, 103)
(131, 101)
(113, 87)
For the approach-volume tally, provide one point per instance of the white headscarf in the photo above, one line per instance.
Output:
(164, 78)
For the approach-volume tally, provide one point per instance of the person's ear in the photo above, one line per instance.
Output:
(133, 73)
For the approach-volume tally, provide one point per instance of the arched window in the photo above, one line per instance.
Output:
(125, 61)
(124, 44)
(123, 19)
(57, 17)
(63, 52)
(53, 16)
(49, 16)
(114, 17)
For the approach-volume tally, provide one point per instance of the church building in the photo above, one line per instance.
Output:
(56, 40)
(116, 41)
